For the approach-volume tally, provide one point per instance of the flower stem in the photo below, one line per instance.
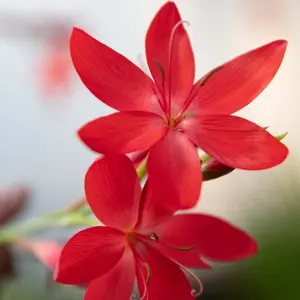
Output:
(9, 234)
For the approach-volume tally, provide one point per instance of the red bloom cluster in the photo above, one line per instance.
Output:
(166, 118)
(142, 239)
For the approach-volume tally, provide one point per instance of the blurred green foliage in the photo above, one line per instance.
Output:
(274, 272)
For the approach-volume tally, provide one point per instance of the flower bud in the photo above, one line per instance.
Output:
(214, 169)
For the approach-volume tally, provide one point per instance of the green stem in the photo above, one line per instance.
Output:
(10, 234)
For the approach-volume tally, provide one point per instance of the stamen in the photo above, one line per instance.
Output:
(194, 293)
(203, 82)
(198, 87)
(131, 238)
(170, 62)
(145, 282)
(209, 74)
(162, 102)
(153, 236)
(179, 119)
(161, 70)
(184, 248)
(148, 273)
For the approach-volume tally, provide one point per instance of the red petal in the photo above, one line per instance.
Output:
(188, 258)
(113, 191)
(240, 80)
(215, 239)
(123, 132)
(89, 254)
(235, 142)
(174, 171)
(180, 74)
(117, 284)
(110, 76)
(137, 157)
(152, 214)
(167, 281)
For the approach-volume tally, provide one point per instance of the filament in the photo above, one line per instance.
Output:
(145, 282)
(174, 30)
(194, 293)
(139, 261)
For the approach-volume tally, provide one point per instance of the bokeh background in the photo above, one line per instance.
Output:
(43, 103)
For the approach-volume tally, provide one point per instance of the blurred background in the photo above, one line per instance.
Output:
(43, 103)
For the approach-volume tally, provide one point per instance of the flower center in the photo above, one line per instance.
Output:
(173, 122)
(131, 236)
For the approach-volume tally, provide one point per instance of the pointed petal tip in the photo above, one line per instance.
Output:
(249, 251)
(74, 36)
(282, 153)
(79, 132)
(169, 4)
(75, 31)
(58, 276)
(254, 247)
(285, 151)
(282, 43)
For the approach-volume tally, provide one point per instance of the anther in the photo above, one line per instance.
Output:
(199, 86)
(209, 74)
(184, 248)
(161, 70)
(175, 28)
(194, 293)
(153, 236)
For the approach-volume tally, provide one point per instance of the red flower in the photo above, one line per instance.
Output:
(142, 239)
(173, 114)
(54, 71)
